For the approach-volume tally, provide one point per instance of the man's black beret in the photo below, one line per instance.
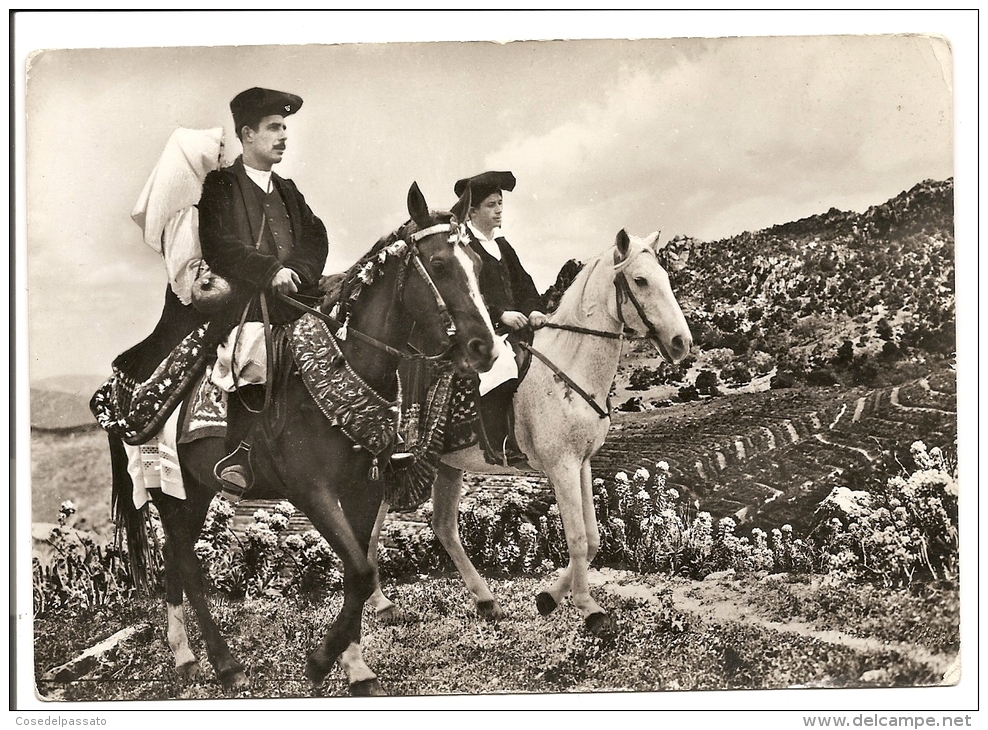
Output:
(254, 104)
(484, 184)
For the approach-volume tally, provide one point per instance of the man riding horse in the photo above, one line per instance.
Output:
(257, 233)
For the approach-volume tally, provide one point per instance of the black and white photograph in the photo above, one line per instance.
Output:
(478, 360)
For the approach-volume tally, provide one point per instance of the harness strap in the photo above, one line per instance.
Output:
(444, 315)
(268, 352)
(621, 285)
(426, 232)
(567, 379)
(336, 325)
(584, 330)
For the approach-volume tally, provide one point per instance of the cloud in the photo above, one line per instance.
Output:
(732, 135)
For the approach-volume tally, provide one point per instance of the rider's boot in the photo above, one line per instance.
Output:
(234, 470)
(495, 412)
(234, 473)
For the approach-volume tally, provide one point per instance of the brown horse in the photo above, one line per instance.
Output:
(423, 277)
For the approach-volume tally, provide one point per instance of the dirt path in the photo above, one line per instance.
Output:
(716, 600)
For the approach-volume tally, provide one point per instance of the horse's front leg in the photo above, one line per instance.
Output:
(446, 493)
(574, 497)
(384, 609)
(341, 529)
(181, 521)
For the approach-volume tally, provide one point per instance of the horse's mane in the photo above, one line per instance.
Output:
(574, 297)
(344, 288)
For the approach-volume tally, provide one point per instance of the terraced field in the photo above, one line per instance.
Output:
(769, 457)
(766, 458)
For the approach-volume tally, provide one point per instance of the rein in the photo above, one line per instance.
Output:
(585, 330)
(567, 379)
(621, 286)
(449, 324)
(350, 332)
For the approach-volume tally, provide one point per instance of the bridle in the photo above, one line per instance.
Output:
(342, 330)
(621, 288)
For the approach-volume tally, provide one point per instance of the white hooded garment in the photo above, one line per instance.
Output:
(166, 210)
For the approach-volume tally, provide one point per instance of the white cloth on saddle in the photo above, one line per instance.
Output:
(154, 464)
(249, 358)
(505, 367)
(166, 209)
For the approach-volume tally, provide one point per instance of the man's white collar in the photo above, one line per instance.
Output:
(261, 177)
(496, 233)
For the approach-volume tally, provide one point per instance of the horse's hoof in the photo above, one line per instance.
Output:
(315, 672)
(598, 623)
(390, 614)
(545, 603)
(189, 672)
(235, 681)
(490, 610)
(367, 688)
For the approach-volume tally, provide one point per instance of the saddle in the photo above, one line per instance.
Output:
(443, 412)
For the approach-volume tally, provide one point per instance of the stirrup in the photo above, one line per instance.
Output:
(401, 459)
(234, 473)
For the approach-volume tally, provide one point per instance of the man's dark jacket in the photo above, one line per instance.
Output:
(505, 284)
(230, 216)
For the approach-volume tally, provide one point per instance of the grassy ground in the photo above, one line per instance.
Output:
(671, 635)
(71, 467)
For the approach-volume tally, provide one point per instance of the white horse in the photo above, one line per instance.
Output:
(558, 428)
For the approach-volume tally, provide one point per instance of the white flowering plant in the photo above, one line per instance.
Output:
(898, 534)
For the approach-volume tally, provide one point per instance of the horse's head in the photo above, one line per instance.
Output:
(645, 302)
(445, 300)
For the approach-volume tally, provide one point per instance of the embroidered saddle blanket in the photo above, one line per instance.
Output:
(137, 411)
(343, 397)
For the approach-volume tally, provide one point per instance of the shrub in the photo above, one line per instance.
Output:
(688, 393)
(900, 533)
(896, 533)
(707, 382)
(736, 374)
(761, 362)
(720, 357)
(821, 377)
(82, 573)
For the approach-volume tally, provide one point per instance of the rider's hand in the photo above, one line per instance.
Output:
(537, 319)
(286, 281)
(514, 320)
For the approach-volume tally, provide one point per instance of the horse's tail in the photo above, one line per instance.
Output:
(134, 522)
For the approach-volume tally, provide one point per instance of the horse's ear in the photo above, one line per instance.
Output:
(622, 243)
(418, 209)
(653, 241)
(462, 207)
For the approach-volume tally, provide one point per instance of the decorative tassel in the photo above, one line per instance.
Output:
(375, 473)
(341, 332)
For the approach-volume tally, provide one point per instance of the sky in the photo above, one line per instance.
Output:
(699, 136)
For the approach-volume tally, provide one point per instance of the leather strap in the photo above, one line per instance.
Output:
(568, 380)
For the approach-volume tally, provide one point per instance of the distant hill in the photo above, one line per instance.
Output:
(54, 411)
(62, 403)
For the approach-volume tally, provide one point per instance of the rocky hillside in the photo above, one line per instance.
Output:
(836, 291)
